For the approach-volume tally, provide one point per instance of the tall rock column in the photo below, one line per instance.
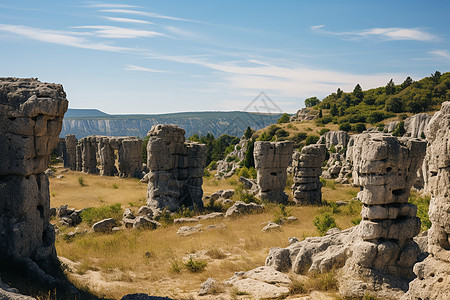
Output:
(31, 114)
(307, 167)
(70, 160)
(176, 169)
(130, 157)
(433, 274)
(385, 167)
(89, 155)
(271, 162)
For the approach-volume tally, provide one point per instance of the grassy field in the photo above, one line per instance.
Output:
(131, 261)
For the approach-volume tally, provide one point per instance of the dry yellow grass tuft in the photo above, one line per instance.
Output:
(131, 261)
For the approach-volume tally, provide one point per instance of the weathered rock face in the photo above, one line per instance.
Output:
(378, 255)
(70, 159)
(304, 114)
(176, 169)
(337, 138)
(96, 155)
(227, 167)
(386, 168)
(271, 162)
(307, 168)
(31, 114)
(433, 274)
(416, 124)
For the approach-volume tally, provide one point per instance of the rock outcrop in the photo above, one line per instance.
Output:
(97, 155)
(228, 166)
(176, 169)
(307, 167)
(376, 256)
(339, 139)
(416, 124)
(31, 114)
(304, 114)
(70, 159)
(433, 274)
(271, 162)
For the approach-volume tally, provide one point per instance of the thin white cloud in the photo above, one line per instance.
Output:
(286, 81)
(59, 37)
(112, 5)
(441, 53)
(114, 32)
(389, 33)
(182, 33)
(128, 20)
(142, 69)
(143, 13)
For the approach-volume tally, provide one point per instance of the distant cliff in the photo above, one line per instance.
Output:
(88, 122)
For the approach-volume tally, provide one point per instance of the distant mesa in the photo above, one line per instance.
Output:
(84, 113)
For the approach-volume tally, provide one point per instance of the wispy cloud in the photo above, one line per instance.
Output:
(112, 5)
(286, 80)
(389, 33)
(143, 13)
(142, 69)
(182, 32)
(441, 54)
(128, 20)
(114, 32)
(59, 37)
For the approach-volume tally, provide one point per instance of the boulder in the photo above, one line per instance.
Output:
(240, 208)
(105, 225)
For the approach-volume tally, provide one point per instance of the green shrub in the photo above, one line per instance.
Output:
(195, 266)
(212, 165)
(81, 181)
(360, 127)
(423, 204)
(323, 223)
(115, 186)
(176, 266)
(92, 215)
(247, 172)
(323, 131)
(400, 130)
(284, 118)
(345, 127)
(311, 139)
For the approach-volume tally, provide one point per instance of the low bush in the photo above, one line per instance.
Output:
(81, 181)
(423, 204)
(323, 223)
(92, 215)
(195, 266)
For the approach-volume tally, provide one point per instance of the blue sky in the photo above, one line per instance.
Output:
(169, 56)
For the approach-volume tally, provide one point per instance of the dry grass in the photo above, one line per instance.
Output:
(309, 127)
(133, 261)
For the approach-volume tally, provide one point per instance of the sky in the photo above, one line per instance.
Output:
(161, 56)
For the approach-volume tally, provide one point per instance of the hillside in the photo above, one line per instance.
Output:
(232, 123)
(375, 105)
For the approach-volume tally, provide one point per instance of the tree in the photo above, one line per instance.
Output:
(400, 130)
(248, 133)
(345, 127)
(249, 160)
(408, 81)
(284, 119)
(311, 139)
(394, 104)
(359, 127)
(435, 77)
(334, 111)
(358, 93)
(341, 111)
(339, 93)
(310, 102)
(320, 114)
(390, 87)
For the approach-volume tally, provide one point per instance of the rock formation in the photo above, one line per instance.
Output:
(416, 124)
(377, 255)
(70, 159)
(227, 166)
(31, 114)
(339, 139)
(271, 162)
(97, 155)
(433, 274)
(304, 114)
(307, 167)
(176, 169)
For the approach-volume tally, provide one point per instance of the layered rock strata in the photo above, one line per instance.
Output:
(376, 256)
(307, 167)
(31, 114)
(271, 162)
(433, 274)
(70, 158)
(97, 155)
(176, 169)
